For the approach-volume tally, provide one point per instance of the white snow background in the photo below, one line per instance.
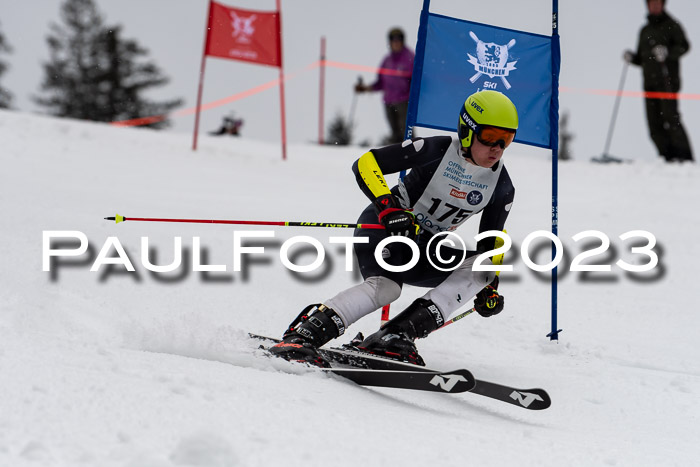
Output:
(112, 368)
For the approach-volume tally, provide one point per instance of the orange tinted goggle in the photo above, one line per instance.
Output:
(492, 136)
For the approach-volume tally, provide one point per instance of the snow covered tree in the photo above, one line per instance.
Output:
(94, 74)
(5, 95)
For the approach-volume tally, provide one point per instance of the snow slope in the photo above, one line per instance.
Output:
(112, 368)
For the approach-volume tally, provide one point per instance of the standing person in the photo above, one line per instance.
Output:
(661, 44)
(396, 87)
(451, 180)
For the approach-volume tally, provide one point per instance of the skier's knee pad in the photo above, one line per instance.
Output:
(385, 290)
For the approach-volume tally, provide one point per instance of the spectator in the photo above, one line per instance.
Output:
(396, 86)
(662, 42)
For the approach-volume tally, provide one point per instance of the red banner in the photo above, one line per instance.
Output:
(251, 36)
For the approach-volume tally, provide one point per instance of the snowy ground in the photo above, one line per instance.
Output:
(112, 368)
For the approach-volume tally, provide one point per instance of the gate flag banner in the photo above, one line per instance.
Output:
(462, 57)
(251, 36)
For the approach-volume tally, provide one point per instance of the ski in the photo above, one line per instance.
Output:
(349, 356)
(531, 399)
(436, 381)
(391, 373)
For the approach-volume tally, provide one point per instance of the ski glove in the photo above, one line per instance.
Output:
(398, 221)
(628, 56)
(488, 301)
(360, 88)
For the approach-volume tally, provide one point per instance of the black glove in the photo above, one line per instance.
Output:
(399, 221)
(488, 301)
(396, 221)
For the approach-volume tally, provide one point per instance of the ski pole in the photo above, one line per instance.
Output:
(119, 219)
(457, 318)
(615, 109)
(353, 104)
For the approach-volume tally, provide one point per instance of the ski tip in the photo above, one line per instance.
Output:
(532, 399)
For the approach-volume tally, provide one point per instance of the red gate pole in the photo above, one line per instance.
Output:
(284, 129)
(321, 89)
(201, 79)
(385, 315)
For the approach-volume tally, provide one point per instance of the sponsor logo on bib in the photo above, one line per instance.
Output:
(474, 197)
(458, 194)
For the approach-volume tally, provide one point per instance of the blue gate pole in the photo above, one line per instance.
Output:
(416, 74)
(414, 94)
(554, 144)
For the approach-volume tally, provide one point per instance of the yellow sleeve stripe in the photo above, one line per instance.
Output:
(498, 259)
(371, 175)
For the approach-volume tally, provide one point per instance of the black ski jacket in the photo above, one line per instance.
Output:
(455, 190)
(666, 31)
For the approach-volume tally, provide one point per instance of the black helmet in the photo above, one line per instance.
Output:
(395, 33)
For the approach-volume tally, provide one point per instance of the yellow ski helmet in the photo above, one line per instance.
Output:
(486, 109)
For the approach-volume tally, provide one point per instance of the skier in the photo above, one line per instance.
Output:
(451, 180)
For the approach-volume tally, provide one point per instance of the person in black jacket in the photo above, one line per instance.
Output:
(662, 42)
(450, 181)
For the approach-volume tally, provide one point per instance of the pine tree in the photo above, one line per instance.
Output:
(94, 74)
(5, 95)
(339, 131)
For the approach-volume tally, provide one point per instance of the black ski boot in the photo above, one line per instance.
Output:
(396, 338)
(315, 325)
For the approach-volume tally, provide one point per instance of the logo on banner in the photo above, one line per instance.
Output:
(243, 28)
(491, 60)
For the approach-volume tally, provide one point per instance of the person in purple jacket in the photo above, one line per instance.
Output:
(396, 84)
